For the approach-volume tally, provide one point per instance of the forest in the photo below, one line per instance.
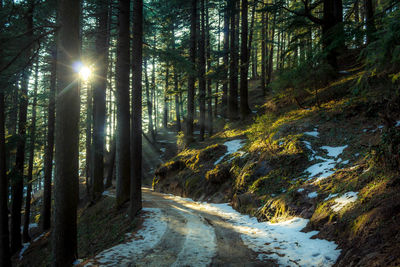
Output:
(199, 133)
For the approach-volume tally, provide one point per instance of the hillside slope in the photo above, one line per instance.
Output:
(326, 163)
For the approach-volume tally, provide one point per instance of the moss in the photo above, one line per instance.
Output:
(219, 175)
(275, 209)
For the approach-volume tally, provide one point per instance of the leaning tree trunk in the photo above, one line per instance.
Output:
(66, 193)
(99, 101)
(25, 234)
(136, 137)
(123, 154)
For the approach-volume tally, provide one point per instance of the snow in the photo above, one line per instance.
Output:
(312, 195)
(300, 190)
(39, 237)
(163, 149)
(232, 147)
(283, 242)
(25, 246)
(344, 200)
(200, 244)
(313, 133)
(397, 124)
(108, 193)
(153, 229)
(325, 167)
(331, 196)
(334, 151)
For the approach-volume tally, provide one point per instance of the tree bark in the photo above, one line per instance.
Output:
(233, 66)
(89, 122)
(369, 19)
(136, 137)
(202, 72)
(123, 153)
(4, 234)
(45, 218)
(209, 88)
(148, 101)
(66, 193)
(25, 234)
(99, 100)
(191, 79)
(166, 90)
(244, 64)
(224, 102)
(18, 183)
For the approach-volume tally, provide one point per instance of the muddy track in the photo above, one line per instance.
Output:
(191, 231)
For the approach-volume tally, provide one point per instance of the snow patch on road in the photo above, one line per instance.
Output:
(200, 244)
(283, 242)
(154, 226)
(232, 147)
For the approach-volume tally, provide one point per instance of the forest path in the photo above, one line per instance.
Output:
(207, 236)
(185, 234)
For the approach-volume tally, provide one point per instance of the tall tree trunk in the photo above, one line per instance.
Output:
(45, 218)
(66, 193)
(25, 234)
(202, 72)
(233, 66)
(148, 101)
(271, 51)
(191, 79)
(250, 46)
(176, 84)
(110, 172)
(99, 100)
(209, 88)
(369, 19)
(18, 183)
(244, 64)
(136, 137)
(224, 102)
(263, 50)
(218, 59)
(154, 88)
(4, 234)
(89, 123)
(166, 91)
(123, 153)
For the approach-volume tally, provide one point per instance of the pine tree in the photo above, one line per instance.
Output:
(136, 137)
(66, 193)
(123, 155)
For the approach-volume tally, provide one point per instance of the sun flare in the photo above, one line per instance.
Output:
(85, 73)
